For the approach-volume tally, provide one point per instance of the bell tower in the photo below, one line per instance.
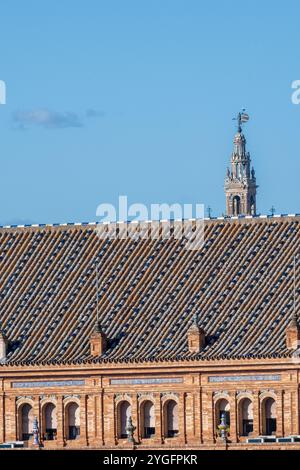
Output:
(240, 182)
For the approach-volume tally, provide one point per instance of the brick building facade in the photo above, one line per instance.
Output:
(186, 401)
(178, 340)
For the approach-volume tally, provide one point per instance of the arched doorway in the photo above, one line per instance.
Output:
(123, 415)
(49, 422)
(26, 422)
(171, 424)
(245, 417)
(269, 416)
(72, 421)
(147, 419)
(222, 410)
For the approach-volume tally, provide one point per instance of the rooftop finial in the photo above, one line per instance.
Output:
(3, 344)
(98, 328)
(293, 330)
(294, 320)
(97, 293)
(209, 211)
(195, 336)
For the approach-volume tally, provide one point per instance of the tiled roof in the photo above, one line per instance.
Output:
(240, 283)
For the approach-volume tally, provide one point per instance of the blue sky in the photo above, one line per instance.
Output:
(137, 98)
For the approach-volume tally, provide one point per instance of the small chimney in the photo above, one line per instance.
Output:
(196, 336)
(3, 346)
(98, 341)
(292, 333)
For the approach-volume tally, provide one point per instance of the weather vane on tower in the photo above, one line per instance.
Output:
(241, 118)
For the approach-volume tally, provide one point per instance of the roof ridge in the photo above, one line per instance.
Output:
(206, 219)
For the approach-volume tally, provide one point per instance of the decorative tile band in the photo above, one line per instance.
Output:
(54, 383)
(244, 378)
(145, 381)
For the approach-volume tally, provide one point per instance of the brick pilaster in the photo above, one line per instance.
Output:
(92, 419)
(101, 418)
(109, 419)
(208, 413)
(158, 419)
(200, 416)
(256, 414)
(279, 414)
(60, 437)
(233, 418)
(182, 423)
(297, 417)
(37, 413)
(10, 419)
(288, 417)
(2, 419)
(135, 417)
(83, 420)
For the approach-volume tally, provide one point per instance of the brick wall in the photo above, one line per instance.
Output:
(197, 397)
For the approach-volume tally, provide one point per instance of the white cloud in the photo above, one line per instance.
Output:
(47, 119)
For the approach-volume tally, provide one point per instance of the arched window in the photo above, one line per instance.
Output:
(26, 422)
(246, 417)
(123, 415)
(269, 416)
(72, 421)
(171, 418)
(236, 203)
(49, 422)
(252, 206)
(147, 419)
(222, 410)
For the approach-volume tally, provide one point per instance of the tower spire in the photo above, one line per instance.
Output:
(240, 181)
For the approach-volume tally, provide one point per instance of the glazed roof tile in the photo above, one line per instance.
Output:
(240, 283)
